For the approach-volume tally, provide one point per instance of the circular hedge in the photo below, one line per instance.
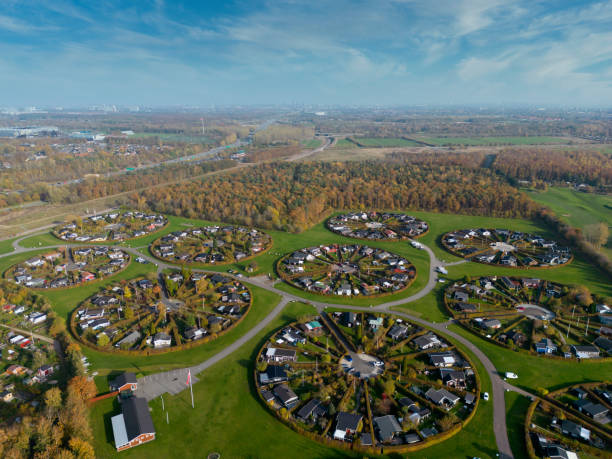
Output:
(529, 314)
(507, 248)
(111, 226)
(69, 267)
(137, 317)
(360, 381)
(211, 245)
(346, 270)
(387, 226)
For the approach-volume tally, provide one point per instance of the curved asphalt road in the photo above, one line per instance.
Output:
(174, 381)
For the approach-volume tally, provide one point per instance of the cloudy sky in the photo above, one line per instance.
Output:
(388, 52)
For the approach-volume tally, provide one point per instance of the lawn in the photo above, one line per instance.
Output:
(229, 419)
(311, 143)
(384, 142)
(531, 140)
(430, 307)
(536, 371)
(577, 208)
(344, 144)
(6, 246)
(516, 410)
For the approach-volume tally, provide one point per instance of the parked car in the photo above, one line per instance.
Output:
(485, 396)
(511, 375)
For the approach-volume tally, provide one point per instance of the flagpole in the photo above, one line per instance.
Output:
(191, 389)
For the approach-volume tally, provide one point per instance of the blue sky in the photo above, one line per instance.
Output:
(387, 52)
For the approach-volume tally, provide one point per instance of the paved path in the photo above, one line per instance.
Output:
(175, 381)
(28, 333)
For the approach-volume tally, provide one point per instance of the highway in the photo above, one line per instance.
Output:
(191, 158)
(173, 381)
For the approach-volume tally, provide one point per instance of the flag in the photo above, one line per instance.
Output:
(188, 378)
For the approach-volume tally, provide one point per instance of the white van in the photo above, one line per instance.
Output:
(511, 375)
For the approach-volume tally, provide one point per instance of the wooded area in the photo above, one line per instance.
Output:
(293, 196)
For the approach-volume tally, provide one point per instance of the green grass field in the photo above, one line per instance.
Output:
(516, 410)
(476, 141)
(6, 246)
(382, 142)
(311, 143)
(344, 144)
(577, 208)
(229, 419)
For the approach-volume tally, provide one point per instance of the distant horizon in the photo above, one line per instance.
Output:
(24, 109)
(161, 53)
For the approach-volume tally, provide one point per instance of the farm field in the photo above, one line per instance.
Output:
(343, 144)
(225, 394)
(577, 208)
(531, 140)
(369, 142)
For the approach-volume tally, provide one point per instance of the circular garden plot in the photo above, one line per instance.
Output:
(533, 315)
(346, 270)
(136, 315)
(68, 267)
(506, 248)
(364, 381)
(576, 423)
(112, 226)
(377, 226)
(211, 245)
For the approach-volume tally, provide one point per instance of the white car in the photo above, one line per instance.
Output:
(511, 375)
(378, 363)
(485, 396)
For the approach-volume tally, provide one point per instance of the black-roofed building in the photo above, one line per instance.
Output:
(125, 381)
(134, 425)
(312, 410)
(386, 427)
(347, 424)
(285, 395)
(273, 374)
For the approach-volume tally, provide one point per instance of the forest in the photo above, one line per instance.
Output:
(590, 167)
(294, 196)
